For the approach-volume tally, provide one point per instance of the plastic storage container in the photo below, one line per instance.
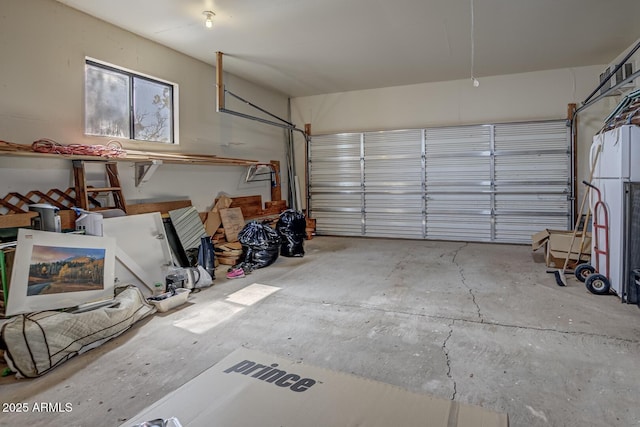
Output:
(171, 302)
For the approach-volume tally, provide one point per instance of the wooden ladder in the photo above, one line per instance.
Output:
(113, 182)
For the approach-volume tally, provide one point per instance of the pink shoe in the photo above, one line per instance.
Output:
(236, 273)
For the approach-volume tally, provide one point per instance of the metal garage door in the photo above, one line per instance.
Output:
(493, 183)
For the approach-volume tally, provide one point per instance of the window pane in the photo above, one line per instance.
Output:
(106, 102)
(152, 104)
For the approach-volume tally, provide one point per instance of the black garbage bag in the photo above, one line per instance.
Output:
(292, 229)
(260, 245)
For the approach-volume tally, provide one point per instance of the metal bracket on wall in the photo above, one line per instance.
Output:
(144, 171)
(257, 171)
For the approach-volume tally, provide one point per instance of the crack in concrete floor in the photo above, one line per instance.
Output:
(445, 351)
(464, 281)
(458, 319)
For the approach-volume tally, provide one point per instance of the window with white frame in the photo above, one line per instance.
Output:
(122, 104)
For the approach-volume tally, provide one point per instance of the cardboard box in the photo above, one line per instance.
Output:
(250, 388)
(233, 223)
(213, 220)
(556, 246)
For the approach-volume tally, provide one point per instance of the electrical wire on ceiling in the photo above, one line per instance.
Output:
(475, 81)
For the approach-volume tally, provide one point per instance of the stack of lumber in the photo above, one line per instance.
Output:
(225, 239)
(252, 207)
(227, 218)
(228, 253)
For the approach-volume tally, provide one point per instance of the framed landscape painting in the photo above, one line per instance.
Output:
(58, 270)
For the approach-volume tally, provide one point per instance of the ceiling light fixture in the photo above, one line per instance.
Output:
(475, 81)
(208, 22)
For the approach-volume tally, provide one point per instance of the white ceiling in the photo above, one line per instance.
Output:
(307, 47)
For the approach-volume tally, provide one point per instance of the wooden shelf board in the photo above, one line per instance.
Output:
(171, 158)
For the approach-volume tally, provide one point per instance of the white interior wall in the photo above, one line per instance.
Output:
(508, 98)
(42, 96)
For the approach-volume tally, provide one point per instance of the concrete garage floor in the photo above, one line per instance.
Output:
(478, 323)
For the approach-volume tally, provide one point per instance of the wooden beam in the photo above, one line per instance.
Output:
(219, 83)
(251, 206)
(82, 197)
(162, 207)
(276, 186)
(138, 156)
(17, 220)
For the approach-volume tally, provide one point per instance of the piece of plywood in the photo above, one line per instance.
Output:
(233, 222)
(143, 251)
(251, 205)
(276, 204)
(162, 207)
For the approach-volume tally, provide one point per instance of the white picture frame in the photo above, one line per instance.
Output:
(60, 270)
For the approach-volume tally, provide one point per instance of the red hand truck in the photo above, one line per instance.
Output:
(594, 280)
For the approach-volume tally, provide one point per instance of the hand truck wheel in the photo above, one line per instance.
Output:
(583, 271)
(598, 284)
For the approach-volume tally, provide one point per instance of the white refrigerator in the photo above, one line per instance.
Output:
(616, 172)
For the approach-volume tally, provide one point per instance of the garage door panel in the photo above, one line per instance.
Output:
(405, 225)
(328, 201)
(516, 229)
(393, 172)
(458, 178)
(392, 161)
(335, 183)
(459, 227)
(394, 202)
(338, 223)
(336, 145)
(393, 184)
(532, 167)
(335, 173)
(540, 136)
(457, 169)
(532, 179)
(458, 202)
(394, 215)
(457, 140)
(390, 144)
(531, 203)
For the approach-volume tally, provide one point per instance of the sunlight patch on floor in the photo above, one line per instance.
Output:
(210, 315)
(252, 294)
